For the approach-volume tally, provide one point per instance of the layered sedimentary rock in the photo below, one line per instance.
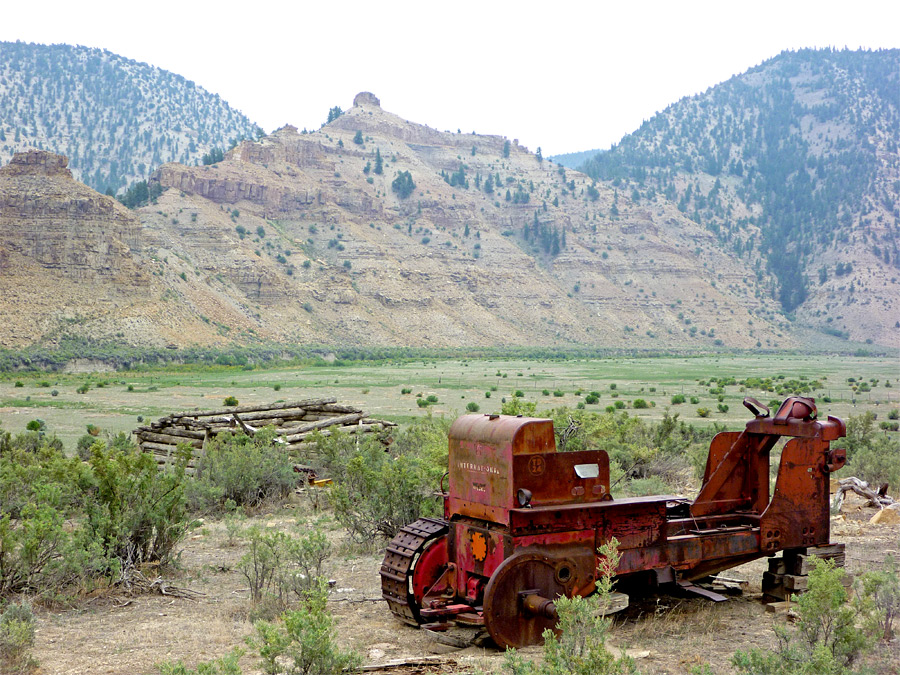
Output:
(64, 226)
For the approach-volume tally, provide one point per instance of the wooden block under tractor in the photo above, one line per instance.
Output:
(804, 563)
(777, 566)
(795, 583)
(773, 584)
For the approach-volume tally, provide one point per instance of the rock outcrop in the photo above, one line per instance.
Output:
(64, 226)
(366, 98)
(337, 255)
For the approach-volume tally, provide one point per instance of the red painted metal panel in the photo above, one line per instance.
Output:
(478, 550)
(551, 478)
(829, 430)
(737, 474)
(481, 483)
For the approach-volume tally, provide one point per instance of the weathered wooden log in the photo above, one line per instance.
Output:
(383, 423)
(187, 433)
(313, 416)
(338, 408)
(322, 424)
(291, 414)
(165, 448)
(246, 428)
(169, 438)
(349, 429)
(255, 408)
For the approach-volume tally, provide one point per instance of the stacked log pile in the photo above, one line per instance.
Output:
(294, 423)
(789, 574)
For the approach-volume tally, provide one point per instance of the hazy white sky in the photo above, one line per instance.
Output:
(566, 76)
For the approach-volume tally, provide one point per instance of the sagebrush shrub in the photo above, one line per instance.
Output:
(227, 665)
(17, 639)
(379, 494)
(830, 636)
(305, 642)
(140, 513)
(247, 470)
(377, 491)
(881, 588)
(67, 522)
(281, 567)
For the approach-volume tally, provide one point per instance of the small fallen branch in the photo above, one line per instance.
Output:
(405, 663)
(134, 581)
(860, 487)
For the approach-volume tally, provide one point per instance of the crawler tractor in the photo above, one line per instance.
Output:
(522, 522)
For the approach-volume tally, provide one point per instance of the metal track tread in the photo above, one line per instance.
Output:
(410, 541)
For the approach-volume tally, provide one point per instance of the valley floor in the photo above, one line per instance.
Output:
(117, 634)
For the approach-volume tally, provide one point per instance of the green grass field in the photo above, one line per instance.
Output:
(114, 401)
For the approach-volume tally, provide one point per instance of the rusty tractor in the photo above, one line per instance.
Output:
(522, 522)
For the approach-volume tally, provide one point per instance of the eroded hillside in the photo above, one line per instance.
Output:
(493, 245)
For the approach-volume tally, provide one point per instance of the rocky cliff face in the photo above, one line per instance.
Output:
(371, 231)
(64, 226)
(73, 261)
(494, 245)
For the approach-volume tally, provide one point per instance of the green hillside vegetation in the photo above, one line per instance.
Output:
(782, 163)
(573, 160)
(114, 118)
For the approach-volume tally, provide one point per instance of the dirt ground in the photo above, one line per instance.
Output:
(665, 634)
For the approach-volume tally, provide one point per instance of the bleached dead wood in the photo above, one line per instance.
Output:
(247, 429)
(405, 663)
(860, 487)
(134, 581)
(308, 403)
(294, 423)
(322, 424)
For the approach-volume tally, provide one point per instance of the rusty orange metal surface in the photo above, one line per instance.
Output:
(524, 521)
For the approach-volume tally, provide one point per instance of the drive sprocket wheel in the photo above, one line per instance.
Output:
(414, 542)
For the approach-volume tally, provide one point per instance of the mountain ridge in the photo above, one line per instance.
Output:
(378, 231)
(114, 118)
(793, 166)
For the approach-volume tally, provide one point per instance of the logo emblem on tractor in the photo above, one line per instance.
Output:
(536, 465)
(479, 546)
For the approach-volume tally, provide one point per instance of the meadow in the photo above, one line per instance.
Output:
(117, 401)
(209, 531)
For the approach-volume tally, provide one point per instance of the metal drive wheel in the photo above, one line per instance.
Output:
(518, 605)
(413, 561)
